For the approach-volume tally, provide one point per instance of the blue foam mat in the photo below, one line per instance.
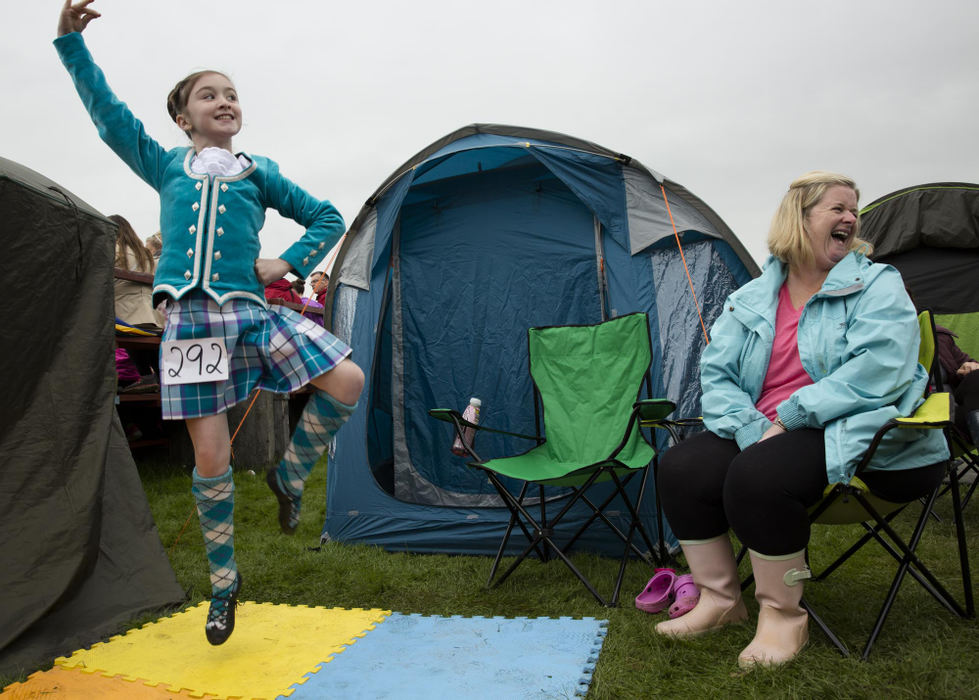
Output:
(414, 656)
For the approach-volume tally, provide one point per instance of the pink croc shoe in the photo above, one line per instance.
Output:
(686, 596)
(658, 593)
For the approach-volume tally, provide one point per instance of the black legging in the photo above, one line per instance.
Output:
(967, 398)
(707, 486)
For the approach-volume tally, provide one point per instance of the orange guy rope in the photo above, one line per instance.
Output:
(181, 533)
(683, 257)
(247, 411)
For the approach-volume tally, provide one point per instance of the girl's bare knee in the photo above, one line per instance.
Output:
(212, 460)
(354, 380)
(344, 382)
(212, 444)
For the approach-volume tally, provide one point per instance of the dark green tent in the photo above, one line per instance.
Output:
(79, 550)
(931, 234)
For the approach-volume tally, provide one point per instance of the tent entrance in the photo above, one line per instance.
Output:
(454, 324)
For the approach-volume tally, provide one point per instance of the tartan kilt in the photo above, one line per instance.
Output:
(275, 349)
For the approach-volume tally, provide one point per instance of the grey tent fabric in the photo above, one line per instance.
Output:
(935, 215)
(930, 233)
(80, 551)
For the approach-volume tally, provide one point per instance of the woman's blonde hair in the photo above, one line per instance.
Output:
(787, 239)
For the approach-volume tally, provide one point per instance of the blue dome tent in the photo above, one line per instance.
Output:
(485, 233)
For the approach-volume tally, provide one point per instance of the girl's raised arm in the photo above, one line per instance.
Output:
(74, 18)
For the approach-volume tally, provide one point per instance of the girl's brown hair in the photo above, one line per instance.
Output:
(127, 240)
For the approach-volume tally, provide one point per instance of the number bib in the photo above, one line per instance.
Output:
(193, 361)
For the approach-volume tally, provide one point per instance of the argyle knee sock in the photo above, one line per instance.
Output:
(216, 507)
(320, 421)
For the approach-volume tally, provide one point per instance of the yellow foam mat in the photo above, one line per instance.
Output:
(273, 647)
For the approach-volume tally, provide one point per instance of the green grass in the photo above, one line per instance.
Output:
(923, 652)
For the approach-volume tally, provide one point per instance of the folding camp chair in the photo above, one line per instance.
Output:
(965, 456)
(965, 460)
(587, 380)
(852, 503)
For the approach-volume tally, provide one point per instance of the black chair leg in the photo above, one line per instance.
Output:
(836, 642)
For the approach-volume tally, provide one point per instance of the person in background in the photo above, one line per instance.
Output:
(312, 307)
(133, 305)
(154, 244)
(804, 364)
(320, 282)
(282, 289)
(960, 376)
(134, 300)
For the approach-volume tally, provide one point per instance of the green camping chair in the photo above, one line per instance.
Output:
(587, 380)
(852, 503)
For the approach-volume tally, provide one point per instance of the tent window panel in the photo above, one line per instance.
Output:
(477, 270)
(681, 336)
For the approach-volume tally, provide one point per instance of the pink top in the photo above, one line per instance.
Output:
(785, 372)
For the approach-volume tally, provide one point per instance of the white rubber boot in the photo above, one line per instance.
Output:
(783, 624)
(716, 574)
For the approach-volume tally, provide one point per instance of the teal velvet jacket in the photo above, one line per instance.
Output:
(209, 224)
(858, 341)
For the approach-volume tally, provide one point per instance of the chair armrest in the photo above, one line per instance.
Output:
(654, 410)
(934, 414)
(653, 414)
(450, 415)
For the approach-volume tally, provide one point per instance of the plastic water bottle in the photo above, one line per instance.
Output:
(471, 414)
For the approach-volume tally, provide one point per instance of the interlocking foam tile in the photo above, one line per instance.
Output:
(71, 683)
(412, 656)
(271, 648)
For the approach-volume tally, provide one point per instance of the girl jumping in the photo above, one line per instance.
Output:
(212, 206)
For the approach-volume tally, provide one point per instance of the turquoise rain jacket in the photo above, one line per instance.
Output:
(858, 341)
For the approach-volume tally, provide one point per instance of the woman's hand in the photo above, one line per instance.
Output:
(967, 367)
(772, 431)
(74, 18)
(268, 270)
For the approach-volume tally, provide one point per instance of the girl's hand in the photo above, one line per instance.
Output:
(269, 270)
(74, 18)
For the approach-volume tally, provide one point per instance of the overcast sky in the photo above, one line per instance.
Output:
(731, 99)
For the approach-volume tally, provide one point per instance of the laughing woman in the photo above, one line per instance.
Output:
(804, 364)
